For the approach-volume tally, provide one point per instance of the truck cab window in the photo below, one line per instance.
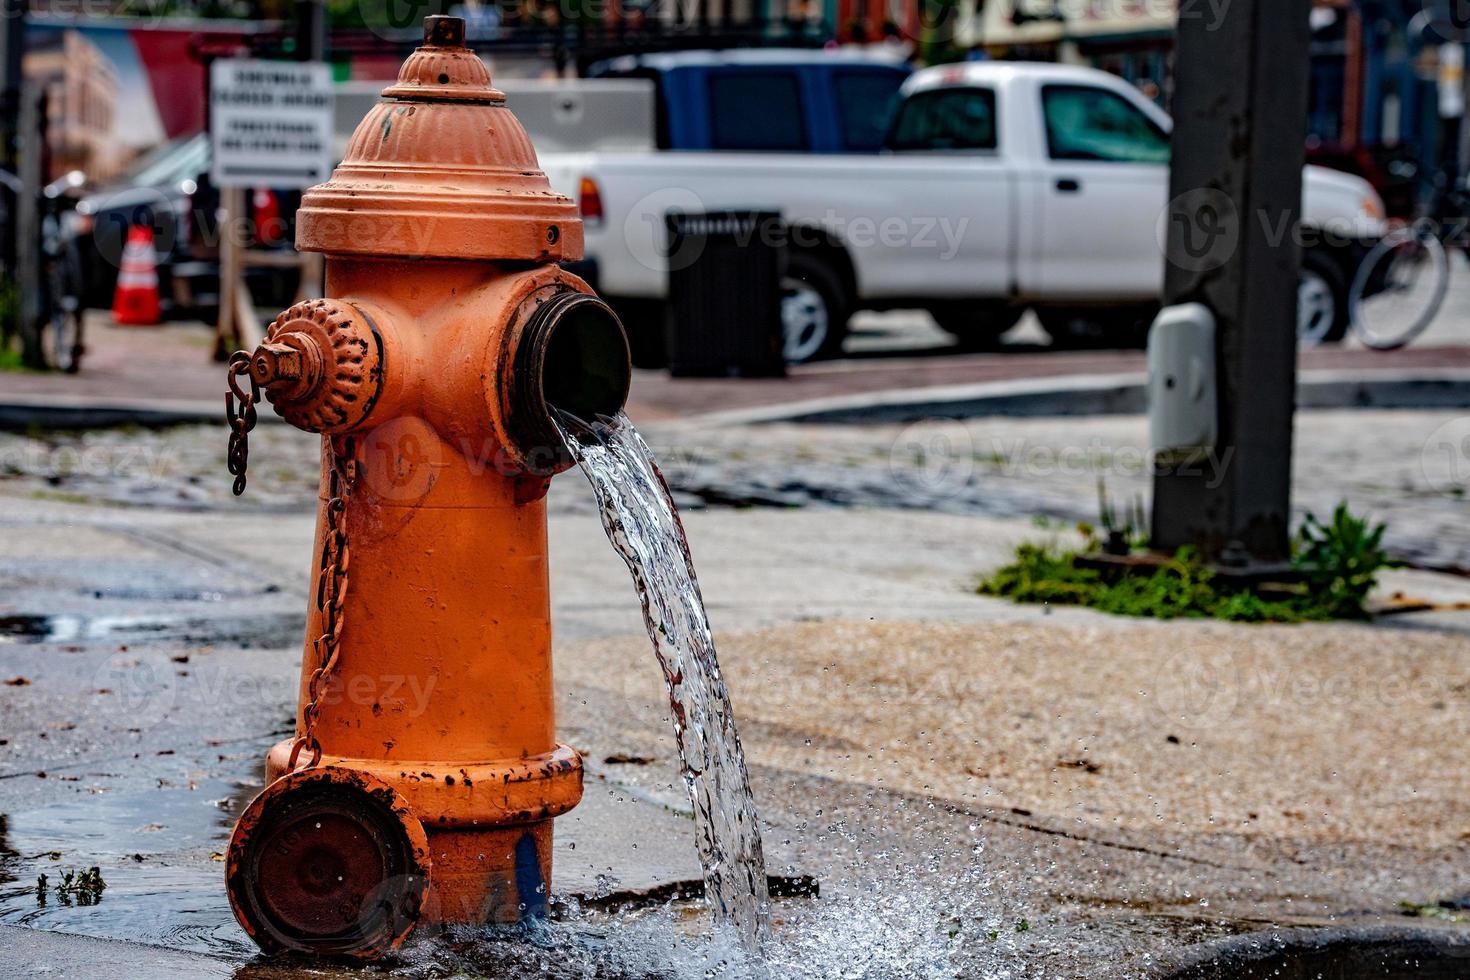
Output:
(1084, 122)
(946, 119)
(756, 111)
(865, 106)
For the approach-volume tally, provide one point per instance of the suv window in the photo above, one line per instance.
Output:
(756, 111)
(864, 106)
(946, 119)
(1088, 123)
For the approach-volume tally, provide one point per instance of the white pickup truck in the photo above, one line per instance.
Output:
(1002, 187)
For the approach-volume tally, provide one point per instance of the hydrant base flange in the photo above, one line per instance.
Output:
(489, 826)
(468, 794)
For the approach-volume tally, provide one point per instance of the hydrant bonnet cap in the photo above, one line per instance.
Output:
(444, 69)
(441, 169)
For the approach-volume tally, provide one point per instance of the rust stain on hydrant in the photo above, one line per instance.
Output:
(424, 774)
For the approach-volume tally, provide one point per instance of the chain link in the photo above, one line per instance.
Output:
(331, 594)
(242, 421)
(331, 590)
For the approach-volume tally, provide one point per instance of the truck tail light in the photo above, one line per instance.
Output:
(266, 210)
(589, 200)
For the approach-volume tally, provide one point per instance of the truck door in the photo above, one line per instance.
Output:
(1104, 184)
(948, 181)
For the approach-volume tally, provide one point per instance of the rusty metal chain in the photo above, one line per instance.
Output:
(331, 594)
(242, 421)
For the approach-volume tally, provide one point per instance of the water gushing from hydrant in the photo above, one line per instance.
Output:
(643, 525)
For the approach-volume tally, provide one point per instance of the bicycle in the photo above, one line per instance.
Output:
(61, 279)
(1399, 287)
(1401, 284)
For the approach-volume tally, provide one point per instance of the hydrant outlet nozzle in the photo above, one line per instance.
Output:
(573, 358)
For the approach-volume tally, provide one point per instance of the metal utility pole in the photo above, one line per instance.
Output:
(27, 269)
(12, 51)
(311, 30)
(1240, 112)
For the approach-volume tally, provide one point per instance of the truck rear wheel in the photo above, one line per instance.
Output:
(977, 325)
(814, 309)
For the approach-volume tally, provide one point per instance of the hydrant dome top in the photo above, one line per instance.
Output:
(444, 69)
(440, 169)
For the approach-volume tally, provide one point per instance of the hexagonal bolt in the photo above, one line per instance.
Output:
(442, 31)
(277, 364)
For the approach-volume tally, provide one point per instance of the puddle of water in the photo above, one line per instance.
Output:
(644, 528)
(1380, 954)
(924, 922)
(265, 631)
(910, 923)
(152, 849)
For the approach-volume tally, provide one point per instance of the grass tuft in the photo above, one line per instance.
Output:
(1337, 563)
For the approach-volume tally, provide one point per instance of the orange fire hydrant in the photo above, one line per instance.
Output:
(424, 773)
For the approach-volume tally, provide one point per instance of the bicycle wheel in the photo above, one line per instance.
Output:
(63, 340)
(65, 335)
(1399, 288)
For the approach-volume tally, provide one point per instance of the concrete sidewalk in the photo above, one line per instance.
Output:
(943, 763)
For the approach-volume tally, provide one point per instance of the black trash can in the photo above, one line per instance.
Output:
(724, 309)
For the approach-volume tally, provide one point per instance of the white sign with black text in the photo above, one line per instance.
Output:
(270, 123)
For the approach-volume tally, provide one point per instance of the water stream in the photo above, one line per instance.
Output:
(644, 528)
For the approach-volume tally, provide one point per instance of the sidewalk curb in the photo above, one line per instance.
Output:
(1097, 394)
(22, 413)
(1060, 395)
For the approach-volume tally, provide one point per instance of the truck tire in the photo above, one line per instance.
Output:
(977, 325)
(814, 309)
(1322, 302)
(1092, 328)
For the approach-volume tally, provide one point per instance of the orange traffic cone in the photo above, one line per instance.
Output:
(135, 303)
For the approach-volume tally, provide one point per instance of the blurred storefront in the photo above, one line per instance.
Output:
(117, 88)
(81, 87)
(1130, 38)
